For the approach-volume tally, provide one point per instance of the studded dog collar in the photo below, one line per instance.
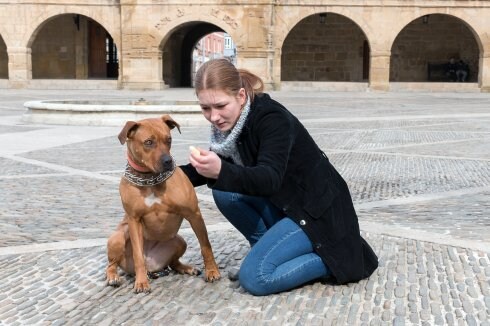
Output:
(147, 179)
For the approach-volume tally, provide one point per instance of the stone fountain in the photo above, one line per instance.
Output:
(109, 113)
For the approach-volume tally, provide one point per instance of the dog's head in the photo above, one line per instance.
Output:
(149, 142)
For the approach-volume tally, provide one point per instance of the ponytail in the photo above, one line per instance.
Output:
(252, 83)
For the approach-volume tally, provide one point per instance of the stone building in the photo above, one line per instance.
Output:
(310, 44)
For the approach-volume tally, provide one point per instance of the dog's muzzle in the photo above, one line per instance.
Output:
(166, 162)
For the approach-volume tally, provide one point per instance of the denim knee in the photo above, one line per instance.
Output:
(250, 281)
(224, 198)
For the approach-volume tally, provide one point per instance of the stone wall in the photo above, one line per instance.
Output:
(54, 53)
(329, 51)
(278, 40)
(441, 38)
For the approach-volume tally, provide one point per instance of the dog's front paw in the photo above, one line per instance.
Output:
(114, 281)
(212, 275)
(142, 287)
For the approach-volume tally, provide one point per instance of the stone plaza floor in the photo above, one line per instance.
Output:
(417, 164)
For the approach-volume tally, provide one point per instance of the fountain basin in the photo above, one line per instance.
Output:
(110, 113)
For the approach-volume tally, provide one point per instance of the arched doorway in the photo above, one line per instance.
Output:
(73, 46)
(212, 46)
(421, 51)
(325, 47)
(188, 46)
(4, 60)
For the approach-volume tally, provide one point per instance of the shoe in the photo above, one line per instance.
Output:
(233, 274)
(329, 279)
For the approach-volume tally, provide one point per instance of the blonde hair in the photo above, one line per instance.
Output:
(221, 74)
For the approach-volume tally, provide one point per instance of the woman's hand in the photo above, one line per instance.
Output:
(206, 163)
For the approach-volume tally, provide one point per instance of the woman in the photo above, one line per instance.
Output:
(275, 185)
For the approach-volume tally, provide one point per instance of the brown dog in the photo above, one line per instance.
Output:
(156, 196)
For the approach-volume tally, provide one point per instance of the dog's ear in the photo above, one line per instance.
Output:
(170, 122)
(123, 135)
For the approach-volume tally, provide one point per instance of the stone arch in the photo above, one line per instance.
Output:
(325, 46)
(177, 47)
(423, 47)
(284, 25)
(4, 59)
(82, 49)
(112, 27)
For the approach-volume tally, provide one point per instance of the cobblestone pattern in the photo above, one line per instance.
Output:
(461, 217)
(391, 176)
(447, 125)
(385, 177)
(67, 208)
(416, 283)
(39, 210)
(13, 168)
(419, 283)
(374, 105)
(368, 140)
(477, 149)
(108, 154)
(99, 155)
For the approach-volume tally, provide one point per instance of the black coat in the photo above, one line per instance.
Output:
(283, 163)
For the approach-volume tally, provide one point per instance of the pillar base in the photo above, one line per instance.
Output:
(379, 87)
(144, 85)
(18, 84)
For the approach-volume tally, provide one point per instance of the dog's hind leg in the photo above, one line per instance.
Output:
(180, 246)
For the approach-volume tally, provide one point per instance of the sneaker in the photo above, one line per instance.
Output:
(233, 274)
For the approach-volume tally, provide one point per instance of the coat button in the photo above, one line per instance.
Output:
(318, 245)
(302, 222)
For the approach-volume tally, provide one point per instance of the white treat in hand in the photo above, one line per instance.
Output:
(194, 151)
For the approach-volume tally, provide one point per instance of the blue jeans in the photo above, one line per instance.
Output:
(281, 257)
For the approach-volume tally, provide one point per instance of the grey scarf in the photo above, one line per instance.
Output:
(224, 143)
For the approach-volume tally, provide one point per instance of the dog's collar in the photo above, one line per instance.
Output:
(142, 179)
(136, 166)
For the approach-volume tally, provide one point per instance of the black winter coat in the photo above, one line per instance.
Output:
(282, 162)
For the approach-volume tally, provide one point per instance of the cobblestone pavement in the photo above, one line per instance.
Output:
(418, 166)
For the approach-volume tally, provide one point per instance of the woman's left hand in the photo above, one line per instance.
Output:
(206, 163)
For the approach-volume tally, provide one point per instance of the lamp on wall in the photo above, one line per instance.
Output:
(76, 20)
(323, 17)
(425, 19)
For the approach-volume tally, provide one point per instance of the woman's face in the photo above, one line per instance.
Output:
(221, 109)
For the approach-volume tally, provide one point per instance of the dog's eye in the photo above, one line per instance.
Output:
(148, 142)
(169, 140)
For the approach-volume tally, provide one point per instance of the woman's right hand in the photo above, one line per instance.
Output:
(206, 163)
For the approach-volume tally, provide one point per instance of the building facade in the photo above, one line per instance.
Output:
(314, 44)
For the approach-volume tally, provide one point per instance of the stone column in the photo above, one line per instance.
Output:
(140, 59)
(20, 67)
(276, 69)
(142, 70)
(379, 70)
(484, 75)
(259, 63)
(256, 51)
